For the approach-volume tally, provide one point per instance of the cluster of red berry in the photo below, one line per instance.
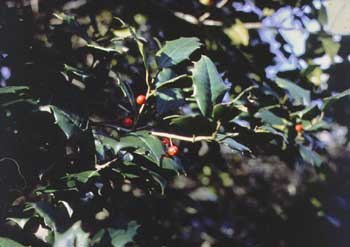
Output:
(128, 122)
(140, 100)
(172, 149)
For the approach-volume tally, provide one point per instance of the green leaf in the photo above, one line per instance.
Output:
(73, 237)
(299, 95)
(308, 113)
(151, 148)
(272, 119)
(117, 237)
(49, 214)
(310, 156)
(82, 177)
(330, 100)
(127, 91)
(68, 122)
(233, 144)
(6, 242)
(176, 51)
(169, 99)
(238, 33)
(270, 130)
(208, 85)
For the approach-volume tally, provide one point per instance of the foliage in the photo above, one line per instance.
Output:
(75, 81)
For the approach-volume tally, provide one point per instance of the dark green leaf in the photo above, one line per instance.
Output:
(271, 119)
(176, 51)
(208, 85)
(70, 124)
(169, 99)
(233, 144)
(49, 214)
(151, 148)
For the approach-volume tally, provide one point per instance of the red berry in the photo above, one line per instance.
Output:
(128, 122)
(141, 99)
(173, 150)
(299, 128)
(166, 141)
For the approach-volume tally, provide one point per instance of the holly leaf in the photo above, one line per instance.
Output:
(69, 123)
(208, 85)
(74, 237)
(151, 148)
(272, 119)
(167, 77)
(49, 214)
(176, 51)
(298, 95)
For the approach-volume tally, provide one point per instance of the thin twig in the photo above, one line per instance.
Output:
(192, 139)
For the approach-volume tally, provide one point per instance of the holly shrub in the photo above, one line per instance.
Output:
(158, 123)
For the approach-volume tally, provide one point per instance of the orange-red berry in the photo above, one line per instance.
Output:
(299, 128)
(141, 99)
(166, 141)
(173, 150)
(128, 122)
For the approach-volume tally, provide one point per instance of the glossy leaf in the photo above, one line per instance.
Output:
(70, 124)
(208, 85)
(176, 51)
